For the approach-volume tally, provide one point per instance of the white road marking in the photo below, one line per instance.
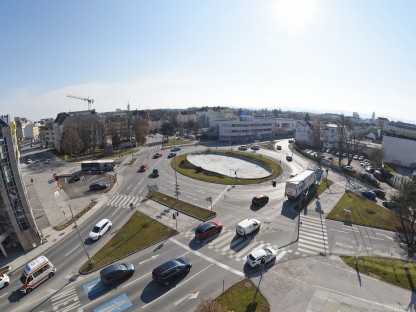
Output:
(72, 250)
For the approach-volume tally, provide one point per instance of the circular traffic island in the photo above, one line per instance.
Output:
(227, 167)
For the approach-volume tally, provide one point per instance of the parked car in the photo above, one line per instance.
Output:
(389, 204)
(242, 148)
(329, 150)
(361, 158)
(266, 253)
(116, 272)
(380, 193)
(378, 175)
(255, 147)
(369, 194)
(143, 168)
(98, 186)
(175, 149)
(157, 155)
(29, 161)
(155, 173)
(260, 200)
(205, 230)
(48, 161)
(100, 229)
(4, 280)
(278, 147)
(370, 169)
(171, 270)
(289, 158)
(75, 177)
(348, 169)
(356, 157)
(171, 155)
(291, 141)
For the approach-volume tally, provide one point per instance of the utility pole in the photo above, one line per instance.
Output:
(76, 226)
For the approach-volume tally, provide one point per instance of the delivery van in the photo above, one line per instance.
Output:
(247, 226)
(35, 273)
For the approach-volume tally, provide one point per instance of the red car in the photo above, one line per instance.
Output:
(157, 155)
(143, 168)
(380, 193)
(207, 229)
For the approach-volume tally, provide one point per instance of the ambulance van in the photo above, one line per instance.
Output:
(35, 273)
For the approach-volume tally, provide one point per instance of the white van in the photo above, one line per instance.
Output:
(247, 226)
(36, 272)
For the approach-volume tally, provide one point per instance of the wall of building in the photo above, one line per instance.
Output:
(399, 150)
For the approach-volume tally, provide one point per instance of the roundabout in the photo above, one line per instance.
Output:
(227, 167)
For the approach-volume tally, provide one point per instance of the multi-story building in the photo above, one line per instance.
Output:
(17, 224)
(248, 128)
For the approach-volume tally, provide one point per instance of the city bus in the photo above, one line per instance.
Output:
(98, 165)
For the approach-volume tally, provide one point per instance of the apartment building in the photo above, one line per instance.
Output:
(17, 224)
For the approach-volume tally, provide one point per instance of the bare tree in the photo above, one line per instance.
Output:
(356, 136)
(404, 203)
(140, 129)
(343, 133)
(71, 142)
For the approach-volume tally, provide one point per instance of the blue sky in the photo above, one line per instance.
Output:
(305, 55)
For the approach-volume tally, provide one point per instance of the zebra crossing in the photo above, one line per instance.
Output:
(313, 238)
(237, 249)
(124, 201)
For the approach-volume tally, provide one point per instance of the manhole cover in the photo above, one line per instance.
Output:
(247, 285)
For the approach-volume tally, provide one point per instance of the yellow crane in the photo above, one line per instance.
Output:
(88, 100)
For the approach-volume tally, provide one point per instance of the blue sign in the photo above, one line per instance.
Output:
(120, 303)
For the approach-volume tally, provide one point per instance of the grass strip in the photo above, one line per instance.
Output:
(139, 232)
(181, 206)
(243, 297)
(363, 212)
(393, 271)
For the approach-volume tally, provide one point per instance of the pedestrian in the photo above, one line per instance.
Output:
(31, 180)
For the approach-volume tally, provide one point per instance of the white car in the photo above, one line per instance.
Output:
(242, 148)
(255, 257)
(29, 161)
(4, 280)
(100, 229)
(48, 161)
(355, 157)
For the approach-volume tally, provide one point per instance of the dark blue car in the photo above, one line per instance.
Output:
(369, 194)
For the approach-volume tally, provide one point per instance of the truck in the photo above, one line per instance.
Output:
(299, 183)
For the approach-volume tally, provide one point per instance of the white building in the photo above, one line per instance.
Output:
(399, 150)
(248, 128)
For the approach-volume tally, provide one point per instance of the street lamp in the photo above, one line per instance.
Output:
(76, 226)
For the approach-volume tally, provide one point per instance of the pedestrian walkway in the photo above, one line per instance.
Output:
(313, 238)
(237, 249)
(124, 201)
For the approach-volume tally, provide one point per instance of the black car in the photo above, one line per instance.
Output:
(175, 149)
(169, 271)
(155, 173)
(98, 186)
(171, 155)
(116, 272)
(289, 158)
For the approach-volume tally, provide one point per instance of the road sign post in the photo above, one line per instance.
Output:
(209, 199)
(175, 217)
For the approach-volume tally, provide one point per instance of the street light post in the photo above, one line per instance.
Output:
(76, 226)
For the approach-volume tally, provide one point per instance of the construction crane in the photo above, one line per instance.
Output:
(88, 100)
